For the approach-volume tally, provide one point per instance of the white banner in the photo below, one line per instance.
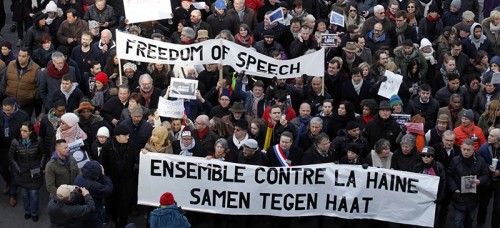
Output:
(141, 49)
(168, 108)
(344, 191)
(146, 10)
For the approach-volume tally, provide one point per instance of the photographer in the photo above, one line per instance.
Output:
(27, 159)
(168, 214)
(70, 207)
(99, 186)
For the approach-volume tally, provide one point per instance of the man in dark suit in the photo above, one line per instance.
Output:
(284, 153)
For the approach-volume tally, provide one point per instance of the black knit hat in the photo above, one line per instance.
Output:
(121, 130)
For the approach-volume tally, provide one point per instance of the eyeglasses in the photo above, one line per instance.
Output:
(427, 156)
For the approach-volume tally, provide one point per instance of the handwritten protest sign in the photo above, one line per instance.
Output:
(391, 85)
(168, 108)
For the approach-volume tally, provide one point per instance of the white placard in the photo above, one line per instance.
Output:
(146, 10)
(199, 5)
(240, 58)
(344, 191)
(391, 85)
(183, 88)
(77, 153)
(168, 108)
(495, 78)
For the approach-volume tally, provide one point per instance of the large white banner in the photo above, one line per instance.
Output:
(146, 10)
(141, 49)
(344, 191)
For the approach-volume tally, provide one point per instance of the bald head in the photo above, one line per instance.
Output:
(201, 122)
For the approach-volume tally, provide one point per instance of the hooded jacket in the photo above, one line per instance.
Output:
(168, 217)
(402, 59)
(471, 45)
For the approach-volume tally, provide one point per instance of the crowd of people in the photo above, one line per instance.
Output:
(68, 78)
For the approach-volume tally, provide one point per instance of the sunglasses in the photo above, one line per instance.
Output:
(427, 156)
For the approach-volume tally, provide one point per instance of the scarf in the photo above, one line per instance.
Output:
(301, 127)
(239, 144)
(454, 113)
(202, 133)
(426, 7)
(495, 29)
(429, 18)
(185, 149)
(53, 119)
(49, 20)
(6, 121)
(477, 42)
(430, 171)
(98, 99)
(381, 162)
(67, 94)
(55, 73)
(147, 97)
(72, 134)
(400, 32)
(255, 105)
(367, 118)
(430, 56)
(357, 87)
(246, 41)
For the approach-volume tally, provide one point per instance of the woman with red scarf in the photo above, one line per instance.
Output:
(431, 26)
(245, 37)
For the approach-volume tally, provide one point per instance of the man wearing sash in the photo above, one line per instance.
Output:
(284, 154)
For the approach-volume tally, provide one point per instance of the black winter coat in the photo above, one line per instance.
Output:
(440, 172)
(22, 159)
(459, 168)
(428, 110)
(340, 144)
(404, 162)
(312, 156)
(69, 216)
(377, 128)
(106, 15)
(349, 94)
(120, 161)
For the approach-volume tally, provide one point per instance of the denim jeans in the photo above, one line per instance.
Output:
(30, 201)
(463, 219)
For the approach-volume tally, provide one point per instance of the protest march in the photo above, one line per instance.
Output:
(250, 113)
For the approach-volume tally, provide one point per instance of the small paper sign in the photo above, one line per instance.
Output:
(329, 40)
(276, 15)
(183, 88)
(168, 108)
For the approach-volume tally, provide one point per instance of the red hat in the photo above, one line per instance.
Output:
(167, 199)
(102, 77)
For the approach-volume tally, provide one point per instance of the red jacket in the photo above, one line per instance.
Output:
(463, 133)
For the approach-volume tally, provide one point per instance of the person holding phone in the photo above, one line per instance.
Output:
(27, 161)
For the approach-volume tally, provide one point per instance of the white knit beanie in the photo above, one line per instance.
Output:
(103, 131)
(71, 119)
